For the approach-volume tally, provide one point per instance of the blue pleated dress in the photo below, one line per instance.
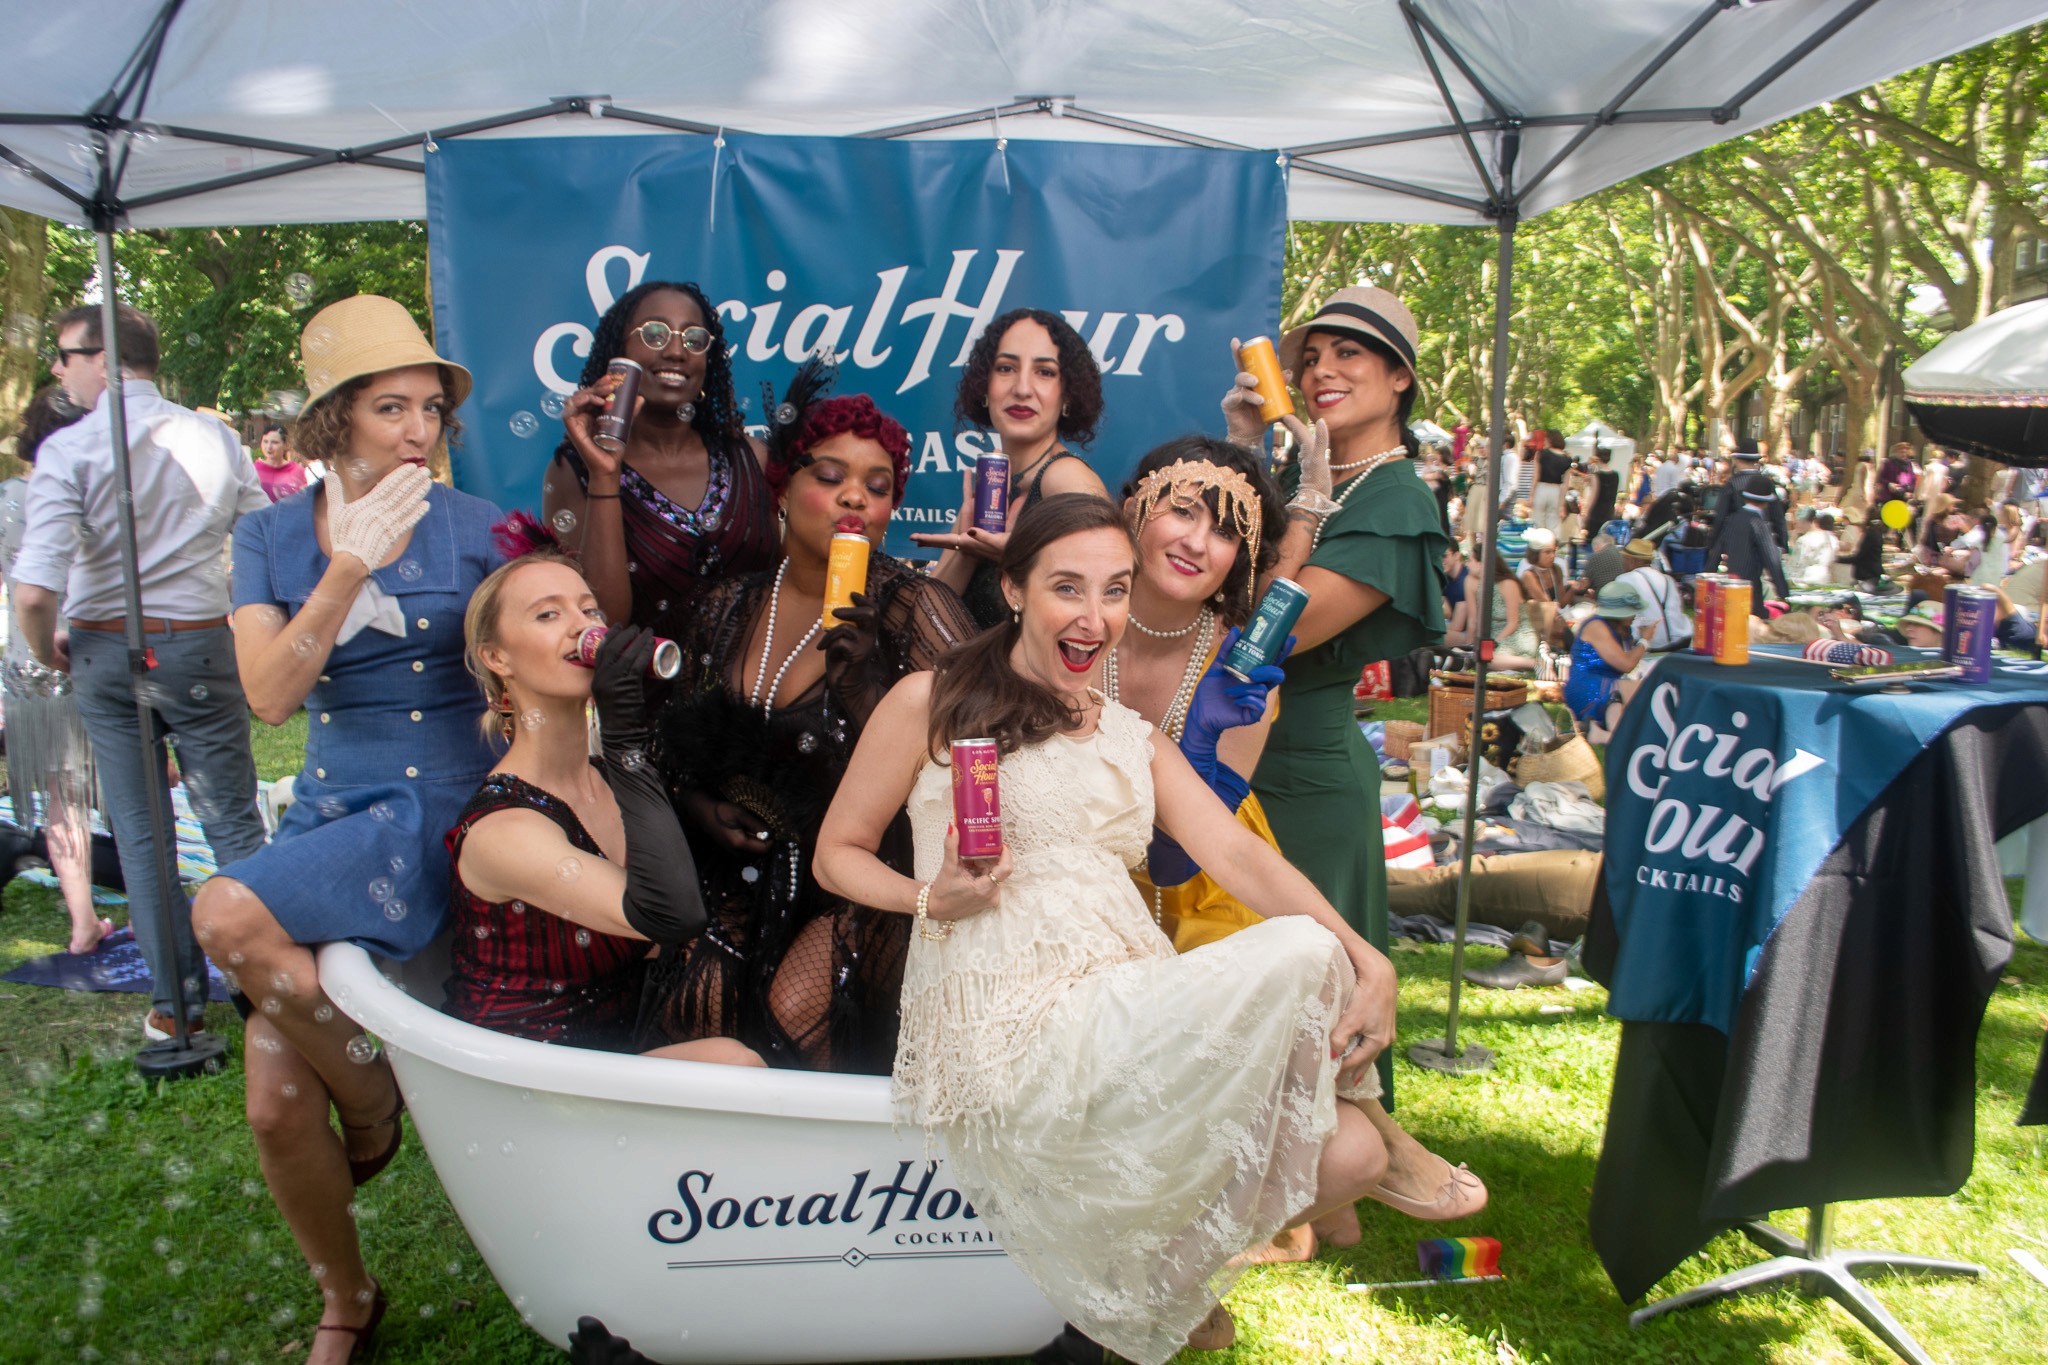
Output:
(393, 748)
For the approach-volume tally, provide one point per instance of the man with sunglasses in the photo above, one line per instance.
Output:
(191, 483)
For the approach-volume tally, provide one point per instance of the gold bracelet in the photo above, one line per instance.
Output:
(924, 923)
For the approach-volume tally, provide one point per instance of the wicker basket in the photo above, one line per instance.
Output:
(1398, 735)
(1450, 705)
(1571, 761)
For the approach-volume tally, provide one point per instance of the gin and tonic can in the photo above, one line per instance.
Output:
(1731, 622)
(666, 663)
(615, 423)
(846, 573)
(1265, 635)
(1974, 612)
(977, 804)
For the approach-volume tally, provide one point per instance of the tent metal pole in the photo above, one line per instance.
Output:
(1446, 1053)
(1443, 90)
(1627, 92)
(1732, 109)
(186, 1054)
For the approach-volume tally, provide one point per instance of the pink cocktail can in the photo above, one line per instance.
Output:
(977, 805)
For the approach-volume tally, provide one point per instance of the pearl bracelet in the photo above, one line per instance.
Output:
(925, 929)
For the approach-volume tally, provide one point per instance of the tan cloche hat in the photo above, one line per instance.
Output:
(1640, 548)
(367, 334)
(1361, 310)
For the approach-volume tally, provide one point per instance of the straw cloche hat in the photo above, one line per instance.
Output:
(1362, 311)
(367, 334)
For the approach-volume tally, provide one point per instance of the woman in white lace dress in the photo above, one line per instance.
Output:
(1127, 1120)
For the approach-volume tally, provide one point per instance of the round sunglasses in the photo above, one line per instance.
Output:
(657, 335)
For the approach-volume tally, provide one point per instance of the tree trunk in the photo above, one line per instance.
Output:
(24, 296)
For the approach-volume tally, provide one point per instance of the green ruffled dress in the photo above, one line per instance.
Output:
(1318, 778)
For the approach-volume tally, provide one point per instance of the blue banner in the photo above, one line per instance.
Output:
(893, 254)
(1727, 788)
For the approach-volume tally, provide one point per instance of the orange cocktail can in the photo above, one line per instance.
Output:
(1731, 634)
(846, 573)
(1258, 359)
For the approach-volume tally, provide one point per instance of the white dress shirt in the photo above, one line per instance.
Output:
(192, 483)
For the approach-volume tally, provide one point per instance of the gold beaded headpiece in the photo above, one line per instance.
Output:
(1182, 483)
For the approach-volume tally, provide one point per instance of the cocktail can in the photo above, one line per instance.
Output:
(1258, 359)
(1706, 605)
(666, 663)
(1949, 595)
(977, 804)
(1731, 622)
(992, 492)
(1265, 635)
(1975, 614)
(846, 573)
(615, 423)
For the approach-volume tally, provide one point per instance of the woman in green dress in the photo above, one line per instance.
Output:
(1365, 540)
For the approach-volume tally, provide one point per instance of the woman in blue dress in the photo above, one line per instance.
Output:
(1603, 652)
(350, 602)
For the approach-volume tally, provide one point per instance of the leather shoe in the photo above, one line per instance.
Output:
(1532, 940)
(1516, 972)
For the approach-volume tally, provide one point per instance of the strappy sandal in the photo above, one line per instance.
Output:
(368, 1330)
(364, 1171)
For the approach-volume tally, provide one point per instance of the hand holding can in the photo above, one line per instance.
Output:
(1259, 359)
(977, 800)
(666, 663)
(615, 425)
(846, 569)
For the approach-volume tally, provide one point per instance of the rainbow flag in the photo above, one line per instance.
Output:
(1459, 1258)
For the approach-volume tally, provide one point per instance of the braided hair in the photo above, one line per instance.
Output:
(718, 411)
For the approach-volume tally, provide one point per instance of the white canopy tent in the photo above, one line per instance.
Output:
(157, 113)
(1446, 111)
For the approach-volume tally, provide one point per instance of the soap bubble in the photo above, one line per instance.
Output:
(563, 521)
(95, 1123)
(552, 404)
(161, 1246)
(582, 938)
(289, 1091)
(235, 959)
(282, 983)
(524, 423)
(508, 1147)
(569, 869)
(619, 1142)
(471, 1150)
(633, 760)
(174, 1268)
(89, 1308)
(397, 864)
(359, 470)
(298, 287)
(199, 692)
(410, 571)
(305, 646)
(426, 1310)
(192, 339)
(557, 986)
(455, 1267)
(270, 1045)
(323, 1014)
(482, 931)
(273, 1007)
(382, 811)
(318, 338)
(394, 911)
(361, 1050)
(333, 807)
(177, 1169)
(533, 719)
(382, 889)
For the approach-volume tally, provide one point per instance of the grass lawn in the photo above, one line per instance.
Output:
(134, 1225)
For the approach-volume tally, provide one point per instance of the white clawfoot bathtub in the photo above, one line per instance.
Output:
(708, 1213)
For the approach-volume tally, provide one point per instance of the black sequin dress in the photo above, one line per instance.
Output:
(802, 977)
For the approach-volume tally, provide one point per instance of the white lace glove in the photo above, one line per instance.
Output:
(1312, 453)
(368, 527)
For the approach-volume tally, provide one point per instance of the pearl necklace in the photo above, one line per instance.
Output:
(1175, 718)
(1144, 629)
(755, 698)
(1352, 485)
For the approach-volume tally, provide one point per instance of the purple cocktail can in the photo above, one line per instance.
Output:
(992, 492)
(977, 804)
(1976, 621)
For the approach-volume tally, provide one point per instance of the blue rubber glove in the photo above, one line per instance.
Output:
(1220, 702)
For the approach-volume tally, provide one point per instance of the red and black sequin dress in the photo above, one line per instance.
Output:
(520, 970)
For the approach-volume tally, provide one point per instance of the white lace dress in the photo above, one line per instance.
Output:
(1127, 1120)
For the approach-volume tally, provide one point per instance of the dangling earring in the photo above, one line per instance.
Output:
(1016, 616)
(1063, 410)
(503, 706)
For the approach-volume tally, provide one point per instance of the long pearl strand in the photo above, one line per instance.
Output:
(1174, 720)
(755, 698)
(1352, 485)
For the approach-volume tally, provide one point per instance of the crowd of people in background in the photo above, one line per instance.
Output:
(752, 865)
